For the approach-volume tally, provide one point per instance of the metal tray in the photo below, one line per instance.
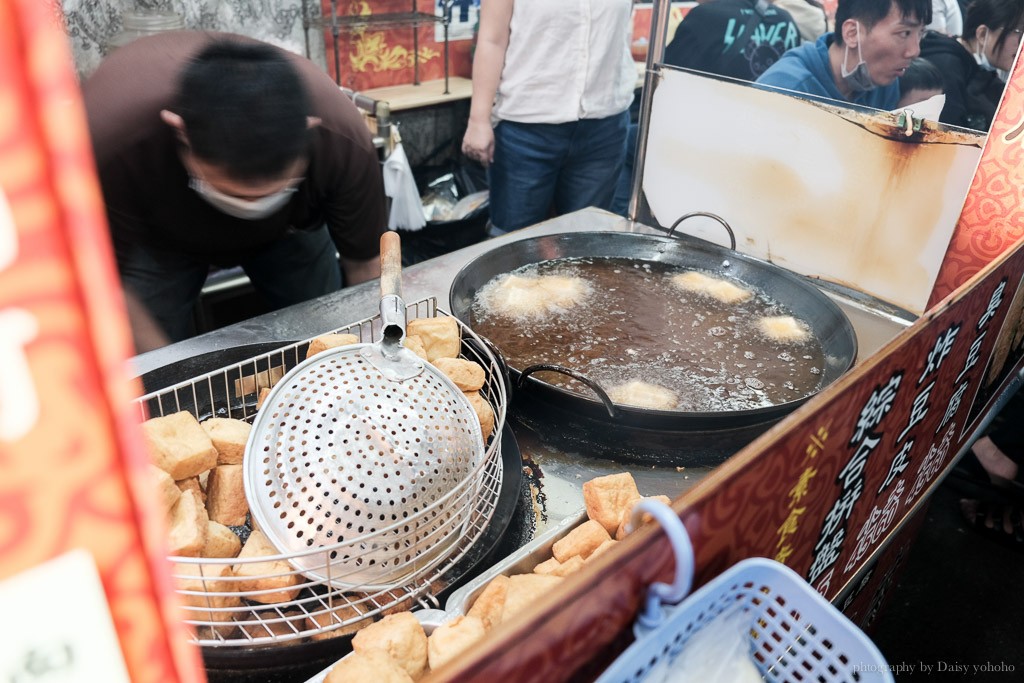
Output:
(521, 561)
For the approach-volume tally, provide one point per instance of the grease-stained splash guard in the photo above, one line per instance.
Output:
(821, 191)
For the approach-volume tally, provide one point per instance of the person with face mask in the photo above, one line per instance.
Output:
(221, 151)
(970, 64)
(861, 61)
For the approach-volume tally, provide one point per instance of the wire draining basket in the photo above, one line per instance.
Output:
(794, 634)
(240, 602)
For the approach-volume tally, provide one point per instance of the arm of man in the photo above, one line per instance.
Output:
(355, 208)
(488, 61)
(360, 271)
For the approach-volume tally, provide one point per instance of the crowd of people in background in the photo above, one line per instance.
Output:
(552, 85)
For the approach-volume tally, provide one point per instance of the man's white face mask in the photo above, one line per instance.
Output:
(858, 79)
(246, 209)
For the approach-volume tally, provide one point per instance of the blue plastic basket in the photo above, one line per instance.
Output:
(794, 634)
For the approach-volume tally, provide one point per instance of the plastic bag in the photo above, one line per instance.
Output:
(717, 653)
(400, 185)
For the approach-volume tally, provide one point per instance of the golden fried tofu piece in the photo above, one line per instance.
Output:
(225, 495)
(450, 639)
(229, 437)
(490, 603)
(609, 498)
(484, 413)
(166, 489)
(399, 635)
(178, 445)
(581, 541)
(369, 667)
(523, 591)
(415, 344)
(208, 579)
(621, 533)
(341, 612)
(330, 341)
(220, 541)
(189, 526)
(467, 375)
(440, 336)
(270, 575)
(553, 567)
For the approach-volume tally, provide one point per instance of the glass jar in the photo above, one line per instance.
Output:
(138, 23)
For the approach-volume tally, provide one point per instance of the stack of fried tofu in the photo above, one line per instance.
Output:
(398, 650)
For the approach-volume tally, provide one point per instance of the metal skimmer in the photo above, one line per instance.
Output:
(366, 445)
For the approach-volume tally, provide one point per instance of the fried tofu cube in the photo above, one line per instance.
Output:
(399, 635)
(581, 541)
(523, 591)
(553, 567)
(178, 445)
(220, 541)
(415, 344)
(330, 341)
(275, 623)
(217, 592)
(467, 375)
(229, 437)
(450, 639)
(610, 498)
(622, 531)
(369, 666)
(440, 336)
(484, 413)
(341, 613)
(261, 399)
(490, 603)
(273, 575)
(604, 547)
(193, 484)
(225, 495)
(189, 526)
(166, 489)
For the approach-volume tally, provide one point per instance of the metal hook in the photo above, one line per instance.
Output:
(679, 538)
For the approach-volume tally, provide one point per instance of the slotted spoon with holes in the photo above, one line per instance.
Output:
(367, 446)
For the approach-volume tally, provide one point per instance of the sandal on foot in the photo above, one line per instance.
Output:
(999, 522)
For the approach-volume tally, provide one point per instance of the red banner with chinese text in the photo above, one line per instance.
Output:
(72, 458)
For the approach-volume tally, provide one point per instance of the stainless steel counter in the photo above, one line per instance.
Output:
(557, 476)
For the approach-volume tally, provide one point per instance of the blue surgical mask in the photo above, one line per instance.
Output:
(859, 80)
(246, 209)
(981, 58)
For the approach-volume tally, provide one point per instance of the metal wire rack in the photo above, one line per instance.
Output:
(257, 601)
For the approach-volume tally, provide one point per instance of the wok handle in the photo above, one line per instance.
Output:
(713, 216)
(390, 264)
(594, 386)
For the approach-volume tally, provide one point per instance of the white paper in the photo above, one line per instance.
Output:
(929, 109)
(58, 625)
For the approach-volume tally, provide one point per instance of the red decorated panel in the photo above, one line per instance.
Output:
(993, 215)
(372, 56)
(69, 451)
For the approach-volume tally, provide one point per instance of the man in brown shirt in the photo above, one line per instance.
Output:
(218, 150)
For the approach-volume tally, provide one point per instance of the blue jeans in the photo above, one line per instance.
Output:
(297, 267)
(624, 186)
(561, 166)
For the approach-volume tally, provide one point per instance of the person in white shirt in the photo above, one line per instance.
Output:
(552, 85)
(947, 18)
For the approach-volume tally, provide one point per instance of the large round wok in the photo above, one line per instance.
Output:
(638, 432)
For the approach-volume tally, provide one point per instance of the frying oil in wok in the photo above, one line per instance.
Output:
(630, 322)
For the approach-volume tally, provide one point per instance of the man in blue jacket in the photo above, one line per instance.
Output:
(861, 62)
